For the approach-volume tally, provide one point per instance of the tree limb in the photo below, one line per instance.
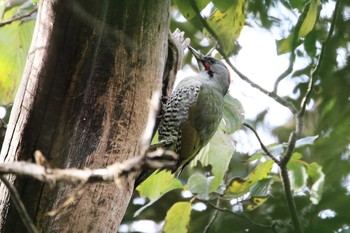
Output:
(20, 17)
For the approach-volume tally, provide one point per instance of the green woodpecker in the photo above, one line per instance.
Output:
(193, 112)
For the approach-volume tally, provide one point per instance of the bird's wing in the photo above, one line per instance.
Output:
(176, 129)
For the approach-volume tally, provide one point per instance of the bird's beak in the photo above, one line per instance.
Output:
(199, 57)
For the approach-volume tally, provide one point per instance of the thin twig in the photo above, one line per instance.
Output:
(263, 147)
(27, 221)
(20, 17)
(294, 45)
(237, 215)
(213, 218)
(286, 72)
(315, 71)
(273, 95)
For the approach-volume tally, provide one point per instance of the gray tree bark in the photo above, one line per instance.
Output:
(83, 101)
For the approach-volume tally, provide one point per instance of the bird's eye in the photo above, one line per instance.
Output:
(212, 60)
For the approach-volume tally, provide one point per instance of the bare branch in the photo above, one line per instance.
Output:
(237, 215)
(263, 147)
(148, 159)
(20, 17)
(27, 221)
(287, 71)
(111, 173)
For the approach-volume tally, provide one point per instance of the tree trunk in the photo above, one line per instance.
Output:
(83, 101)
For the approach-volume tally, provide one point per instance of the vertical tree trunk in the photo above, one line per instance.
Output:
(83, 101)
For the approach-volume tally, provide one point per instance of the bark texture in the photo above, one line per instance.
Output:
(83, 101)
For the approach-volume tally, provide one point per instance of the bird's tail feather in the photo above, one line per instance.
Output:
(146, 173)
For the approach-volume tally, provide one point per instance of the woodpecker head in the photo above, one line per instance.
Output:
(215, 68)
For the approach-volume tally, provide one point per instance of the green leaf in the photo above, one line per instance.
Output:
(305, 141)
(217, 153)
(199, 184)
(178, 218)
(317, 177)
(310, 19)
(285, 45)
(238, 186)
(261, 188)
(233, 114)
(15, 40)
(186, 8)
(296, 156)
(297, 175)
(158, 184)
(255, 157)
(222, 5)
(228, 24)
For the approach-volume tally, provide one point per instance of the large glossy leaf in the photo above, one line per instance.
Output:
(178, 218)
(228, 24)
